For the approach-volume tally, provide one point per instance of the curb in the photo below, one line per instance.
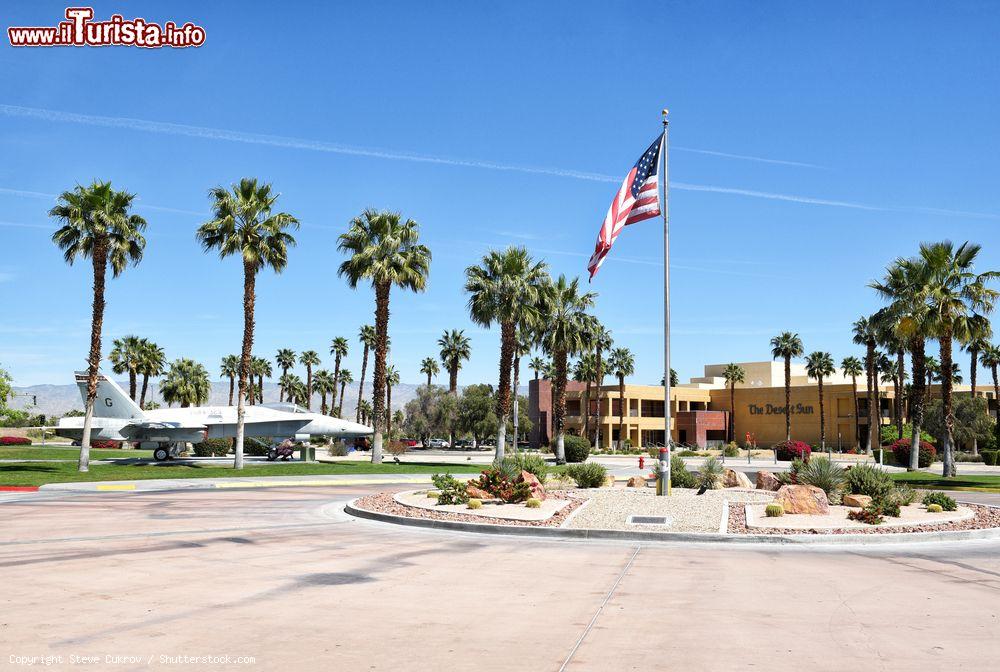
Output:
(683, 537)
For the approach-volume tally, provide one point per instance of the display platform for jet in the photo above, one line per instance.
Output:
(118, 418)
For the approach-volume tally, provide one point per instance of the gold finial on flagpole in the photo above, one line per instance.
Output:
(666, 113)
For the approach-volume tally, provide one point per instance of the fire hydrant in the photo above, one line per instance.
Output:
(642, 461)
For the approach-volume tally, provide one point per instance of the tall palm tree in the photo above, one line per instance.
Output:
(391, 380)
(244, 224)
(309, 359)
(230, 368)
(980, 331)
(621, 364)
(286, 360)
(955, 296)
(125, 356)
(455, 348)
(819, 365)
(866, 334)
(338, 348)
(601, 339)
(933, 371)
(186, 383)
(366, 336)
(505, 289)
(325, 384)
(851, 366)
(523, 342)
(585, 372)
(345, 379)
(385, 251)
(365, 411)
(564, 326)
(152, 362)
(787, 345)
(430, 368)
(990, 358)
(261, 368)
(734, 374)
(539, 366)
(886, 325)
(96, 224)
(295, 390)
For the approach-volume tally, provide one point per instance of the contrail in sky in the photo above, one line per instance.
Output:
(334, 148)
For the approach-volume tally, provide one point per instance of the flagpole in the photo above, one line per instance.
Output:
(665, 486)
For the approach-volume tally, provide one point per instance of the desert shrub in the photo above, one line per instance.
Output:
(337, 449)
(211, 447)
(533, 464)
(559, 482)
(790, 477)
(944, 501)
(793, 450)
(889, 434)
(475, 503)
(963, 456)
(990, 457)
(533, 503)
(432, 494)
(687, 452)
(450, 489)
(15, 441)
(255, 447)
(774, 510)
(588, 474)
(680, 477)
(731, 450)
(577, 448)
(870, 515)
(710, 473)
(395, 448)
(825, 475)
(866, 479)
(934, 508)
(502, 485)
(890, 507)
(901, 453)
(903, 495)
(102, 444)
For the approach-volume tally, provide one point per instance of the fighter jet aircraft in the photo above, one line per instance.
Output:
(118, 418)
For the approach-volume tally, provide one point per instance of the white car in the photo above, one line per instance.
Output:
(438, 443)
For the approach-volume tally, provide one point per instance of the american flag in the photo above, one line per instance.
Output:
(638, 199)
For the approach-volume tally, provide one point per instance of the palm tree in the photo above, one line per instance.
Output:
(866, 334)
(886, 325)
(955, 297)
(97, 225)
(786, 345)
(338, 348)
(990, 358)
(734, 373)
(152, 362)
(345, 379)
(391, 380)
(383, 250)
(295, 390)
(522, 346)
(125, 356)
(309, 359)
(286, 360)
(365, 411)
(186, 383)
(243, 224)
(621, 364)
(429, 367)
(585, 371)
(539, 366)
(819, 365)
(455, 348)
(933, 371)
(851, 366)
(261, 367)
(505, 289)
(366, 335)
(230, 368)
(602, 342)
(980, 333)
(325, 384)
(564, 326)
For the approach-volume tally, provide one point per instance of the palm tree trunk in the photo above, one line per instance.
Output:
(559, 410)
(732, 411)
(145, 387)
(260, 381)
(232, 384)
(857, 425)
(322, 401)
(340, 406)
(974, 352)
(453, 391)
(100, 258)
(788, 398)
(514, 386)
(900, 371)
(378, 384)
(996, 396)
(872, 376)
(309, 386)
(586, 411)
(336, 379)
(361, 384)
(132, 383)
(946, 392)
(621, 411)
(600, 383)
(822, 416)
(507, 339)
(249, 279)
(388, 412)
(917, 399)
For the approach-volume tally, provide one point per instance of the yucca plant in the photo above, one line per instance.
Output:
(710, 474)
(825, 475)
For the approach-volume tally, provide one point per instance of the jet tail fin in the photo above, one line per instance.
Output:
(111, 402)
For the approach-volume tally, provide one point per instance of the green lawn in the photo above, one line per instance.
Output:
(922, 479)
(38, 473)
(49, 453)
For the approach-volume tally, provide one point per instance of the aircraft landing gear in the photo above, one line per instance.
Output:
(161, 454)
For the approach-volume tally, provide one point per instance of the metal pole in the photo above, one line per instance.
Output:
(665, 468)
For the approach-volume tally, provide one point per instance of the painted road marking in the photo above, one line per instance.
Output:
(286, 484)
(123, 486)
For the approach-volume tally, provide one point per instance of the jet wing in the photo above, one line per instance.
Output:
(163, 431)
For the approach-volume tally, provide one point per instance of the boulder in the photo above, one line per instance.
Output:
(856, 500)
(537, 489)
(636, 482)
(735, 479)
(807, 499)
(477, 493)
(767, 481)
(609, 482)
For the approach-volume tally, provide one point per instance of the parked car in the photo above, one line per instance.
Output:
(409, 443)
(437, 443)
(463, 444)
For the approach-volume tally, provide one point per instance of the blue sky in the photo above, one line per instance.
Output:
(877, 123)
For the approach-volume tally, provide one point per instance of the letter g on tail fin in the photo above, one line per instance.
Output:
(111, 402)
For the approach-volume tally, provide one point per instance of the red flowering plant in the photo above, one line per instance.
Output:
(502, 486)
(901, 452)
(793, 450)
(14, 441)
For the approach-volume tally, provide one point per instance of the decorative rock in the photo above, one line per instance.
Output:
(856, 500)
(537, 489)
(477, 493)
(806, 499)
(767, 481)
(609, 482)
(637, 482)
(735, 479)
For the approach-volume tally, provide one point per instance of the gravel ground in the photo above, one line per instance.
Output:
(384, 502)
(985, 517)
(609, 509)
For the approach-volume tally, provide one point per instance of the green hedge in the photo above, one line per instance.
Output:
(577, 448)
(991, 457)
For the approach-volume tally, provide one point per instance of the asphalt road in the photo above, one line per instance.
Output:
(282, 576)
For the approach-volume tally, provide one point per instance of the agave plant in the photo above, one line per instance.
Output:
(710, 474)
(825, 475)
